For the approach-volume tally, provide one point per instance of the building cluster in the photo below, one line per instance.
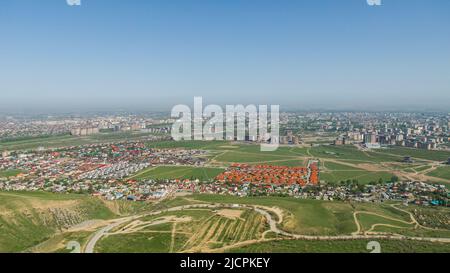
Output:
(289, 138)
(16, 127)
(84, 131)
(107, 171)
(266, 174)
(114, 171)
(424, 131)
(393, 137)
(88, 167)
(411, 192)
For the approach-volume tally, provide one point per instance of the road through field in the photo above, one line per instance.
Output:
(272, 224)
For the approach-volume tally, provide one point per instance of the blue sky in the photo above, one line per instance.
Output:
(149, 54)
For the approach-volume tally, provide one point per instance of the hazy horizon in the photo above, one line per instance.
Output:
(152, 55)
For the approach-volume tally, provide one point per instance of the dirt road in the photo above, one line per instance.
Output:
(272, 224)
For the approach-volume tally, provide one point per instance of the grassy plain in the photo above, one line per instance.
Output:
(441, 172)
(349, 246)
(190, 230)
(67, 140)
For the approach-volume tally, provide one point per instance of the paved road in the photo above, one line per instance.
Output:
(99, 234)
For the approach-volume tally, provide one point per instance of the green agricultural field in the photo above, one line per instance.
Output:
(441, 172)
(363, 177)
(337, 167)
(335, 172)
(67, 140)
(231, 152)
(251, 153)
(350, 246)
(135, 243)
(178, 172)
(351, 153)
(281, 151)
(246, 157)
(287, 163)
(418, 153)
(35, 142)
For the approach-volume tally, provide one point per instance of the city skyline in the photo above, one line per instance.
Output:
(307, 55)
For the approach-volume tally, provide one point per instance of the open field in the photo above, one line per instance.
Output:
(344, 246)
(178, 172)
(418, 153)
(351, 153)
(45, 222)
(336, 172)
(247, 157)
(242, 230)
(310, 217)
(441, 172)
(333, 166)
(363, 177)
(193, 230)
(67, 140)
(340, 163)
(136, 243)
(368, 221)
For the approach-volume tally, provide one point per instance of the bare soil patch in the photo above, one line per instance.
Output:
(230, 213)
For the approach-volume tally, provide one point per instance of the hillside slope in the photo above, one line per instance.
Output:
(27, 219)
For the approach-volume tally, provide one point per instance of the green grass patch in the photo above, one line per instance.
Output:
(350, 153)
(419, 153)
(363, 177)
(304, 216)
(350, 246)
(338, 167)
(368, 220)
(135, 243)
(441, 172)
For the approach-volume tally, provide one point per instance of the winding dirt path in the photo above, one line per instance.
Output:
(273, 227)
